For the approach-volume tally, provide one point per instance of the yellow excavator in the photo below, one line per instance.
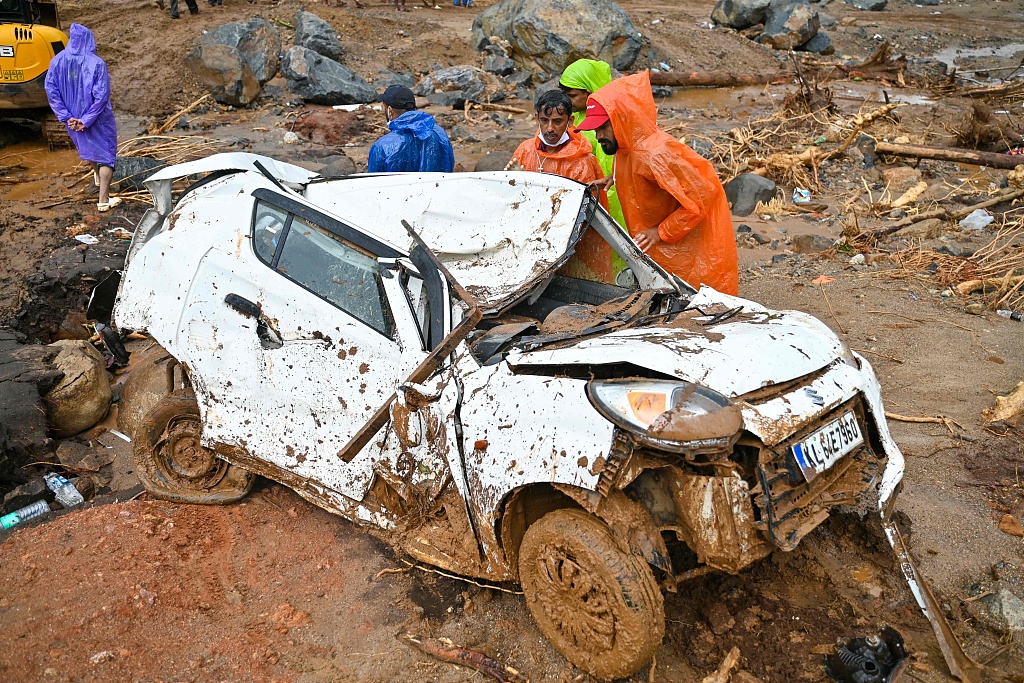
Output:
(30, 36)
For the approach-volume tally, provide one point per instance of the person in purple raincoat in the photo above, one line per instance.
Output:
(78, 87)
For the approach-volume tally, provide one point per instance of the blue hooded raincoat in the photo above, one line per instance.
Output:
(415, 143)
(78, 87)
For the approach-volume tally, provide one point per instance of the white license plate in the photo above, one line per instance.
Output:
(822, 448)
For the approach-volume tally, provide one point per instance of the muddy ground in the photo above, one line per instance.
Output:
(274, 589)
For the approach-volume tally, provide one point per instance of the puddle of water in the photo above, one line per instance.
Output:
(872, 93)
(951, 56)
(713, 98)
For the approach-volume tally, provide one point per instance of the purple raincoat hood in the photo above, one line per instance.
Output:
(81, 41)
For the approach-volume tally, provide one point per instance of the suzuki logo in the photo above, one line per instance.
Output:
(6, 50)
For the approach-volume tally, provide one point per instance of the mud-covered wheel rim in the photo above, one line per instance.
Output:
(575, 603)
(599, 605)
(182, 458)
(172, 462)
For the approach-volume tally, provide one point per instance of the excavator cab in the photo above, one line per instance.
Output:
(30, 36)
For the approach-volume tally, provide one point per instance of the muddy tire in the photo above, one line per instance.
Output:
(599, 605)
(172, 463)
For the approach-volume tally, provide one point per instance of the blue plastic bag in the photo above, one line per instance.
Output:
(78, 87)
(415, 144)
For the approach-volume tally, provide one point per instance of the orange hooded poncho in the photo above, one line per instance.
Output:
(575, 160)
(663, 183)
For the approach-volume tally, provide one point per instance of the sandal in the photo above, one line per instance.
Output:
(111, 203)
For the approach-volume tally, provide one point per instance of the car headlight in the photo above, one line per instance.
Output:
(676, 416)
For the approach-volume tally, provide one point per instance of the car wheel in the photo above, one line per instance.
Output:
(599, 605)
(172, 463)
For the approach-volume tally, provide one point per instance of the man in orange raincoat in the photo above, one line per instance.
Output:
(556, 148)
(672, 199)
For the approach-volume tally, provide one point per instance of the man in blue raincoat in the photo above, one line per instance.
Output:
(415, 144)
(78, 87)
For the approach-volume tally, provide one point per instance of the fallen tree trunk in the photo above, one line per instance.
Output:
(714, 79)
(963, 156)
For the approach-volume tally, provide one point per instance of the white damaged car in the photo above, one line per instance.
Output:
(455, 362)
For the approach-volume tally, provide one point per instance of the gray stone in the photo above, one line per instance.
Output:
(313, 33)
(821, 43)
(337, 166)
(82, 397)
(1007, 612)
(923, 230)
(387, 78)
(495, 161)
(869, 5)
(499, 64)
(928, 3)
(548, 35)
(811, 244)
(826, 20)
(225, 73)
(703, 147)
(26, 494)
(520, 79)
(464, 134)
(740, 14)
(470, 82)
(318, 79)
(746, 190)
(132, 172)
(790, 26)
(257, 41)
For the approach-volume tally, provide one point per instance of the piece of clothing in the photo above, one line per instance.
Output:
(572, 160)
(78, 87)
(561, 141)
(415, 144)
(663, 183)
(592, 75)
(193, 8)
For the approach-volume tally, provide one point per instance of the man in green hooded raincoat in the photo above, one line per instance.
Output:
(579, 81)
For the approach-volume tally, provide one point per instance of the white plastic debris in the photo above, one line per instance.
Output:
(87, 239)
(291, 137)
(858, 260)
(801, 196)
(976, 220)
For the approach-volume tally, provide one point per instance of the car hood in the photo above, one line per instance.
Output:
(759, 348)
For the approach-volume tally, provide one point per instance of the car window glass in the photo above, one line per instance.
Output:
(420, 304)
(335, 270)
(268, 228)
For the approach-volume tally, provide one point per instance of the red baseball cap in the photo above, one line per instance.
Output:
(597, 116)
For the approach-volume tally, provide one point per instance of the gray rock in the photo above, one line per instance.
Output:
(26, 494)
(313, 33)
(520, 79)
(703, 147)
(337, 166)
(790, 26)
(1006, 611)
(132, 172)
(811, 244)
(318, 79)
(470, 82)
(826, 20)
(257, 41)
(746, 190)
(387, 78)
(495, 161)
(740, 14)
(869, 5)
(661, 91)
(225, 73)
(464, 134)
(928, 3)
(821, 43)
(549, 35)
(499, 64)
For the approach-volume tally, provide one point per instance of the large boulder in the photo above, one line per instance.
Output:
(790, 26)
(318, 79)
(224, 72)
(82, 397)
(313, 33)
(746, 190)
(257, 41)
(130, 173)
(460, 83)
(740, 14)
(548, 35)
(821, 44)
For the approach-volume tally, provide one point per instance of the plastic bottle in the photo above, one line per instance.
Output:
(1012, 315)
(67, 494)
(36, 509)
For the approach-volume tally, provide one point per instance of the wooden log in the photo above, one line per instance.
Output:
(963, 156)
(714, 79)
(943, 213)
